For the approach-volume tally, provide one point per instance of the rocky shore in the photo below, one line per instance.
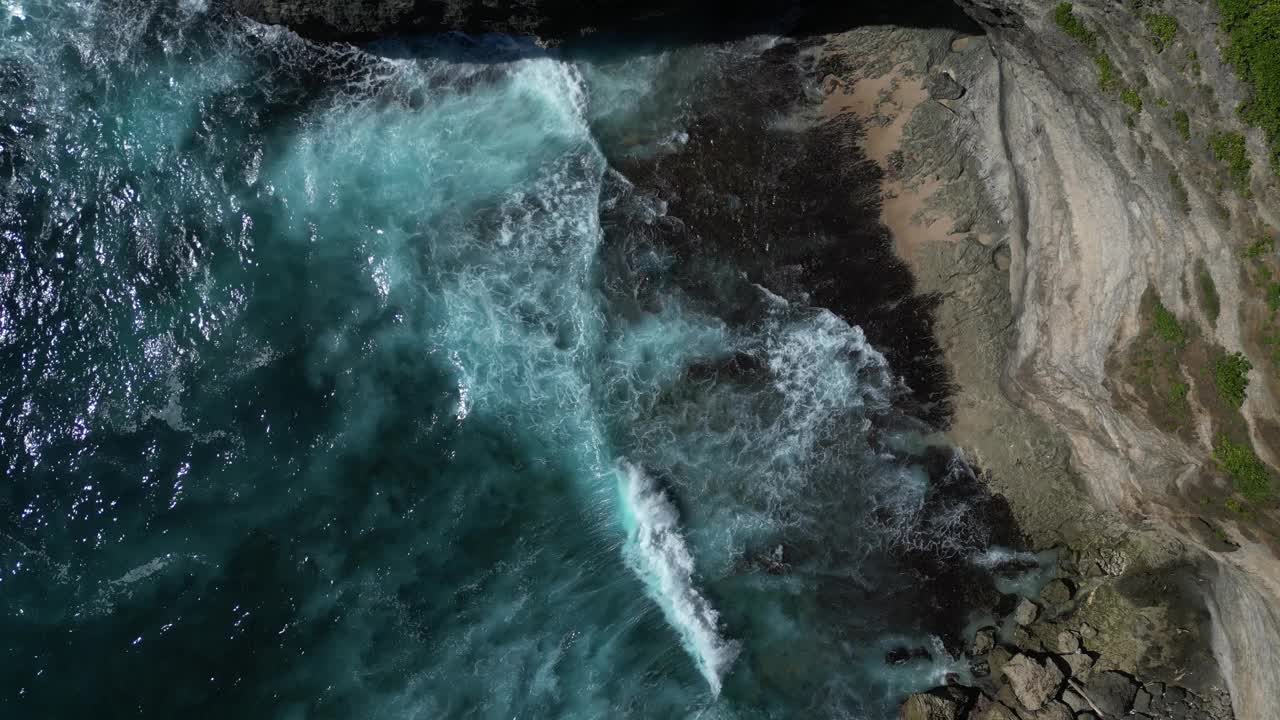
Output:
(1045, 660)
(1055, 179)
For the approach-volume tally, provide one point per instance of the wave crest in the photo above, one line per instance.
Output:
(657, 552)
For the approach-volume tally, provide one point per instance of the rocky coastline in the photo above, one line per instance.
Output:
(1051, 659)
(1047, 211)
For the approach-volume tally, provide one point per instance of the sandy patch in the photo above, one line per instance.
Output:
(884, 105)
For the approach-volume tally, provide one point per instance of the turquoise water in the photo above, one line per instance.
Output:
(328, 395)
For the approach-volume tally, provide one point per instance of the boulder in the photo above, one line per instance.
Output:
(984, 640)
(1033, 682)
(1068, 642)
(1075, 701)
(1112, 692)
(997, 658)
(1142, 702)
(1057, 593)
(1080, 664)
(1026, 612)
(926, 706)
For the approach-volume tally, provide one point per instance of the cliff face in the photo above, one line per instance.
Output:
(1104, 142)
(1118, 208)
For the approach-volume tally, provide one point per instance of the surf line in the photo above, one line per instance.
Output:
(656, 551)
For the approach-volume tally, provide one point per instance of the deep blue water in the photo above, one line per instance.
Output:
(347, 383)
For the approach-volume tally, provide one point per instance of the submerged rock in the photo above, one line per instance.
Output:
(1056, 593)
(1033, 682)
(901, 655)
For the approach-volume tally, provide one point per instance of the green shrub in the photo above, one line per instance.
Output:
(1182, 121)
(1254, 49)
(1249, 476)
(1163, 29)
(1167, 326)
(1073, 26)
(1234, 506)
(1178, 393)
(1230, 148)
(1108, 76)
(1130, 97)
(1260, 247)
(1209, 295)
(1231, 377)
(1273, 297)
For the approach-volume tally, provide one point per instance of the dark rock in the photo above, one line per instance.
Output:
(1033, 682)
(901, 655)
(942, 86)
(980, 669)
(1142, 702)
(558, 20)
(1112, 692)
(1075, 700)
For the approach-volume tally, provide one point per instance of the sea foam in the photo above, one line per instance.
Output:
(657, 552)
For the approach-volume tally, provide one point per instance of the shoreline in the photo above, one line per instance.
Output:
(958, 251)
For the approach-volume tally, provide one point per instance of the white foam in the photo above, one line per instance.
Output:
(657, 552)
(995, 556)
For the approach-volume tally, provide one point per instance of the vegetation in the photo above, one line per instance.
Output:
(1073, 26)
(1254, 50)
(1167, 326)
(1131, 98)
(1248, 474)
(1163, 29)
(1108, 75)
(1262, 246)
(1230, 148)
(1231, 377)
(1208, 294)
(1182, 121)
(1273, 297)
(1235, 506)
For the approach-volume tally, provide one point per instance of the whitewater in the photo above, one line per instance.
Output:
(448, 377)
